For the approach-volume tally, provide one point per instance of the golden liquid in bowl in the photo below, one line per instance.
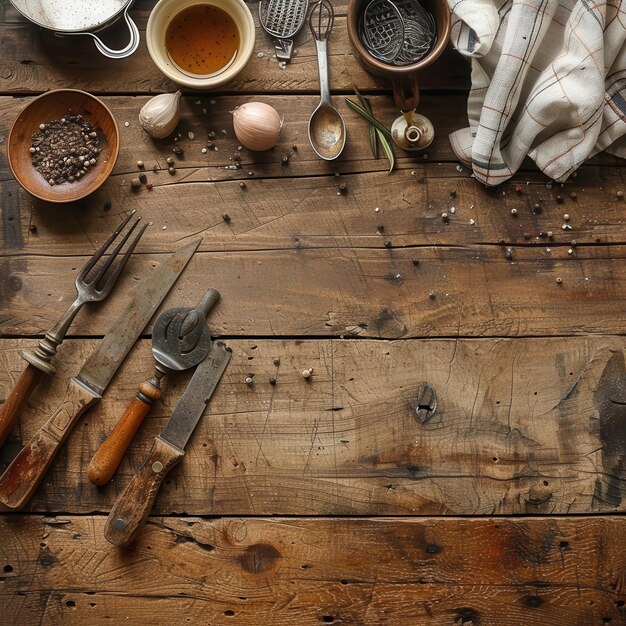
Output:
(202, 40)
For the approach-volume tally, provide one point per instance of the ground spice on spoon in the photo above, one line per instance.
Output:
(64, 150)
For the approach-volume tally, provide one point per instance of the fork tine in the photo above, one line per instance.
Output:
(102, 270)
(113, 276)
(98, 254)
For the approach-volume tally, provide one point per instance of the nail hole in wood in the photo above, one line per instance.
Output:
(8, 568)
(229, 613)
(328, 619)
(70, 604)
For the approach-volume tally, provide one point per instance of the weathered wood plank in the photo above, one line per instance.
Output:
(308, 213)
(476, 291)
(531, 426)
(498, 572)
(35, 60)
(280, 203)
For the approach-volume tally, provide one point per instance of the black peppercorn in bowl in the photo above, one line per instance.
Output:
(63, 145)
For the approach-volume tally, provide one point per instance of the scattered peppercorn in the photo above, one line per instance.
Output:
(149, 186)
(135, 183)
(169, 161)
(171, 170)
(453, 194)
(237, 156)
(526, 236)
(32, 228)
(107, 205)
(155, 168)
(140, 165)
(272, 380)
(620, 195)
(276, 360)
(566, 217)
(343, 188)
(294, 147)
(559, 199)
(242, 184)
(444, 217)
(307, 372)
(514, 212)
(559, 280)
(380, 228)
(285, 159)
(573, 195)
(518, 189)
(508, 253)
(178, 151)
(536, 208)
(415, 261)
(249, 379)
(226, 217)
(143, 178)
(431, 295)
(388, 244)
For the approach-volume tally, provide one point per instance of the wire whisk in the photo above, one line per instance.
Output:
(321, 20)
(399, 32)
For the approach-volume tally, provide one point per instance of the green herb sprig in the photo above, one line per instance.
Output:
(377, 132)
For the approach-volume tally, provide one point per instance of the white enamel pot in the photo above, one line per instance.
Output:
(82, 17)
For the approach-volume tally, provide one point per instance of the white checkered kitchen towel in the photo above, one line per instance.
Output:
(548, 81)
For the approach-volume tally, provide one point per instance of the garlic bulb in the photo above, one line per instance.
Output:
(257, 125)
(161, 114)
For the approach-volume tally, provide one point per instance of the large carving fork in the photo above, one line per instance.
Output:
(91, 286)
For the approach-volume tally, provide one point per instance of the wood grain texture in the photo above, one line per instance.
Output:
(284, 572)
(34, 60)
(107, 458)
(16, 398)
(476, 291)
(21, 479)
(132, 507)
(532, 426)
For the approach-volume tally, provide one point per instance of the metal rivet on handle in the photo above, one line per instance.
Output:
(157, 466)
(119, 524)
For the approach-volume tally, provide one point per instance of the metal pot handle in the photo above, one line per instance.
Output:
(133, 44)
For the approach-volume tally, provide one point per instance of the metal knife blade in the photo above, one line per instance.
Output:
(191, 406)
(133, 505)
(100, 367)
(21, 478)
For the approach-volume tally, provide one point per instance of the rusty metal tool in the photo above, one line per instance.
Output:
(133, 506)
(92, 285)
(180, 340)
(24, 474)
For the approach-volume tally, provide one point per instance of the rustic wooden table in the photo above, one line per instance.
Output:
(328, 501)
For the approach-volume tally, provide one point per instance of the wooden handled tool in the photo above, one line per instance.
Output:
(92, 285)
(133, 505)
(10, 410)
(21, 478)
(180, 339)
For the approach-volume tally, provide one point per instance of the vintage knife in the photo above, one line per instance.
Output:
(24, 474)
(133, 506)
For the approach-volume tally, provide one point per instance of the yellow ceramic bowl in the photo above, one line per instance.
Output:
(162, 15)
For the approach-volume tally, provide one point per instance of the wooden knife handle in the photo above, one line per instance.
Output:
(22, 477)
(133, 506)
(10, 410)
(107, 459)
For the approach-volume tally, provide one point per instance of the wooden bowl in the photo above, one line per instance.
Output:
(55, 105)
